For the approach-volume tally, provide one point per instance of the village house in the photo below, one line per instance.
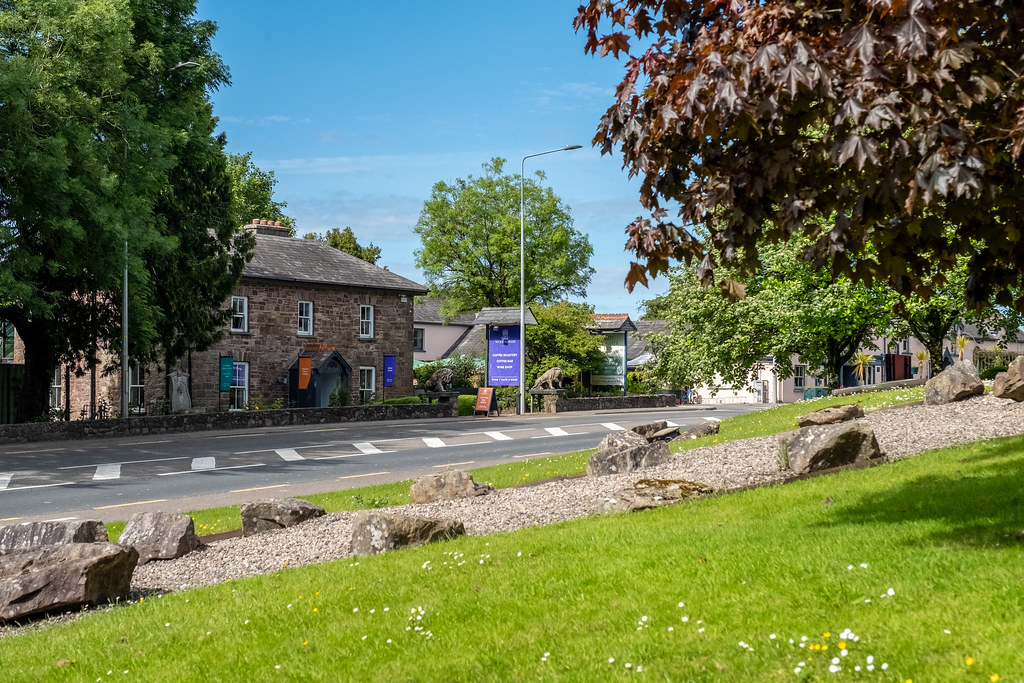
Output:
(297, 299)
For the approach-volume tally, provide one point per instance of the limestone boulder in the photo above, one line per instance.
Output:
(33, 535)
(1010, 384)
(820, 447)
(626, 451)
(64, 577)
(160, 535)
(266, 515)
(832, 415)
(708, 428)
(652, 493)
(446, 486)
(955, 383)
(649, 430)
(377, 532)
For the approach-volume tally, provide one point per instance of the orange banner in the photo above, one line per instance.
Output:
(305, 371)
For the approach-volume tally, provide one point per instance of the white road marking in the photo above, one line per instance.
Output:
(5, 480)
(107, 471)
(367, 448)
(556, 431)
(123, 462)
(210, 469)
(38, 486)
(433, 442)
(498, 436)
(368, 474)
(207, 463)
(289, 454)
(713, 419)
(455, 464)
(612, 426)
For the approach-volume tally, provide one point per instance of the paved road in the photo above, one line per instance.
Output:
(111, 479)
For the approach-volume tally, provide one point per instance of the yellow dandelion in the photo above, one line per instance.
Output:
(828, 634)
(842, 643)
(824, 647)
(994, 678)
(969, 661)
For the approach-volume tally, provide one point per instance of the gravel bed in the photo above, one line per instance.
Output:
(901, 432)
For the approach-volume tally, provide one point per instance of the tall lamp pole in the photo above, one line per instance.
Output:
(125, 374)
(522, 272)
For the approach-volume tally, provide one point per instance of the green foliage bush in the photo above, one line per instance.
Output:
(339, 397)
(402, 401)
(466, 370)
(993, 371)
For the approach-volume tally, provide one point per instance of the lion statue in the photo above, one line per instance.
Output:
(440, 381)
(552, 379)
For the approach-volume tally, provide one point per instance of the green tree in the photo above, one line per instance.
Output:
(560, 339)
(790, 309)
(252, 193)
(345, 240)
(469, 230)
(93, 124)
(759, 120)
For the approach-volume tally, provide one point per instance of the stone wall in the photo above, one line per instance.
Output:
(565, 405)
(196, 422)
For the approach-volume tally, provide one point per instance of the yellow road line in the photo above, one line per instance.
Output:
(124, 505)
(369, 474)
(533, 455)
(9, 519)
(453, 464)
(259, 488)
(238, 436)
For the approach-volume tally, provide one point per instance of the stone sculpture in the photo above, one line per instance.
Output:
(440, 381)
(552, 379)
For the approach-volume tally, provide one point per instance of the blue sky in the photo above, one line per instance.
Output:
(359, 108)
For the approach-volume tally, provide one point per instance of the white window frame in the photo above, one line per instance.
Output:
(57, 389)
(418, 345)
(239, 314)
(305, 327)
(136, 387)
(239, 390)
(799, 377)
(367, 389)
(365, 321)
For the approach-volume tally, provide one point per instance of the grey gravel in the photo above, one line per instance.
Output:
(901, 432)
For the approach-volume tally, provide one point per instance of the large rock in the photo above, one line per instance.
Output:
(955, 383)
(707, 428)
(446, 486)
(649, 430)
(377, 532)
(266, 515)
(820, 447)
(832, 415)
(160, 535)
(651, 493)
(64, 577)
(1010, 384)
(626, 451)
(22, 537)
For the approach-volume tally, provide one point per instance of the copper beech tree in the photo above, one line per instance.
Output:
(895, 123)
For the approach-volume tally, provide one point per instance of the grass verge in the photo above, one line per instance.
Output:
(915, 565)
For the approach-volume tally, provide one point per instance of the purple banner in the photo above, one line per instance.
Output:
(390, 366)
(503, 349)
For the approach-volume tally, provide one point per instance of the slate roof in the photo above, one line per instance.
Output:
(636, 345)
(428, 310)
(473, 341)
(289, 259)
(503, 316)
(611, 322)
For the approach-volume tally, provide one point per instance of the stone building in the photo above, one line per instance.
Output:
(298, 299)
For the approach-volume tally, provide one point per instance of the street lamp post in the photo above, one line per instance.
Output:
(125, 374)
(522, 272)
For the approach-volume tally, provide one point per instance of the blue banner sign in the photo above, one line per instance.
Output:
(503, 356)
(390, 366)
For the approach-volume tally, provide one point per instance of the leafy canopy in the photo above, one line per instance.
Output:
(252, 193)
(469, 230)
(345, 240)
(877, 122)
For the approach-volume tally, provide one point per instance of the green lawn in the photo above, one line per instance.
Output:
(715, 589)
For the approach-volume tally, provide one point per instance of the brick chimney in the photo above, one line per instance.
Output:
(272, 228)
